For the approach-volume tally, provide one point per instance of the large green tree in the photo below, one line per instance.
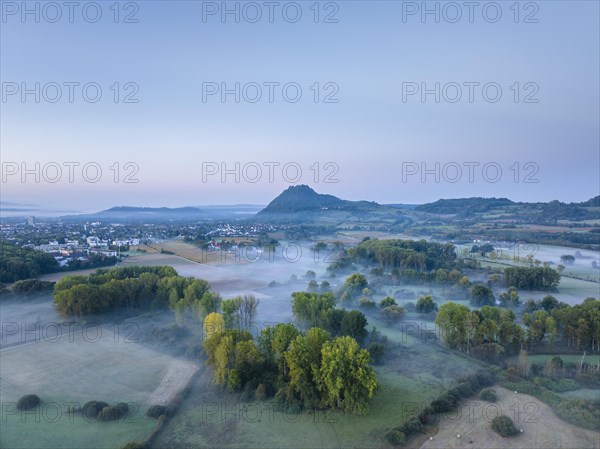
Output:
(347, 380)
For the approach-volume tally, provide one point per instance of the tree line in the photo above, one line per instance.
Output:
(492, 331)
(402, 254)
(18, 263)
(532, 278)
(135, 288)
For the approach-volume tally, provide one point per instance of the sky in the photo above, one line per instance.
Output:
(178, 103)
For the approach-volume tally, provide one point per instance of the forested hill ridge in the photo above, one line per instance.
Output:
(535, 212)
(302, 198)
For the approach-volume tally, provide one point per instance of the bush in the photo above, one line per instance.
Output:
(488, 395)
(441, 405)
(92, 409)
(28, 402)
(557, 385)
(113, 413)
(387, 301)
(156, 410)
(134, 445)
(413, 425)
(426, 304)
(29, 286)
(376, 351)
(504, 426)
(485, 378)
(392, 313)
(462, 390)
(366, 303)
(395, 437)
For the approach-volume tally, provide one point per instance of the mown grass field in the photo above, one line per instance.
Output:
(72, 371)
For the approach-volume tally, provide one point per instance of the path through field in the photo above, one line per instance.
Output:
(541, 427)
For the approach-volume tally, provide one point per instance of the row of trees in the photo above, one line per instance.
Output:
(18, 263)
(318, 310)
(403, 254)
(547, 322)
(488, 331)
(532, 278)
(555, 322)
(307, 370)
(135, 288)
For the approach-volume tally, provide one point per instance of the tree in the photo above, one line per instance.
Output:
(392, 313)
(283, 335)
(247, 311)
(567, 259)
(426, 304)
(354, 284)
(354, 324)
(209, 303)
(309, 307)
(231, 309)
(451, 320)
(248, 361)
(345, 376)
(213, 324)
(224, 359)
(524, 365)
(366, 303)
(548, 303)
(482, 295)
(304, 361)
(510, 298)
(387, 301)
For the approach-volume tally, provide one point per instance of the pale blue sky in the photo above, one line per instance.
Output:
(369, 133)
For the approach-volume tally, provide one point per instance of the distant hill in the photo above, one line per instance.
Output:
(464, 205)
(592, 202)
(144, 214)
(151, 210)
(540, 213)
(302, 198)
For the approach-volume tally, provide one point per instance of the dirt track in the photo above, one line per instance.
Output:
(541, 427)
(178, 376)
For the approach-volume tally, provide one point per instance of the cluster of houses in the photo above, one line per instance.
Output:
(74, 250)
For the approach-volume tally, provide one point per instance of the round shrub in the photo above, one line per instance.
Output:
(462, 390)
(504, 426)
(156, 410)
(488, 395)
(107, 414)
(441, 405)
(28, 402)
(92, 409)
(113, 413)
(395, 437)
(413, 425)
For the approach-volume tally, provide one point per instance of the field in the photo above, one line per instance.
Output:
(99, 363)
(541, 427)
